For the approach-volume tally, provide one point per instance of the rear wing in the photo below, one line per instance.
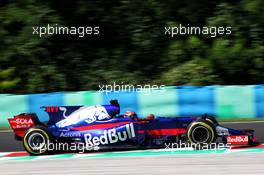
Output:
(22, 122)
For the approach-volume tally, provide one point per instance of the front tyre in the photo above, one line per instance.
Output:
(201, 132)
(36, 140)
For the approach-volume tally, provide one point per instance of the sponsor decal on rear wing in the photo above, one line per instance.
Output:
(21, 121)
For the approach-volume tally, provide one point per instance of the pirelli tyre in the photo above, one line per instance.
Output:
(212, 120)
(209, 118)
(201, 132)
(36, 140)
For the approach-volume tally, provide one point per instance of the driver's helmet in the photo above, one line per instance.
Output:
(130, 114)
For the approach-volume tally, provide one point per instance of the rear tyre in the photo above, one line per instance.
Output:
(36, 140)
(212, 120)
(209, 118)
(201, 132)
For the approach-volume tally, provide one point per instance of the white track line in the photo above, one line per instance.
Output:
(77, 156)
(4, 153)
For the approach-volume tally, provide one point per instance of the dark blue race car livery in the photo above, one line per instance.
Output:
(101, 126)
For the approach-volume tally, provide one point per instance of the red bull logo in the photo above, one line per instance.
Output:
(110, 136)
(238, 140)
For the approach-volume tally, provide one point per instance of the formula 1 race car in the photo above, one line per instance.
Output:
(101, 126)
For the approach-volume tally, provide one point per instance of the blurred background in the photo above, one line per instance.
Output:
(131, 47)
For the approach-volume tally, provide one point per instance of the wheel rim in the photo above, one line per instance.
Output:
(37, 142)
(200, 134)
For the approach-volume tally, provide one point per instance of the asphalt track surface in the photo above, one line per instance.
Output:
(8, 143)
(247, 162)
(231, 163)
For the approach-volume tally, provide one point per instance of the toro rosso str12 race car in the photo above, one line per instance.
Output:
(101, 126)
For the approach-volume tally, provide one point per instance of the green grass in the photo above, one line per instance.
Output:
(241, 120)
(5, 128)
